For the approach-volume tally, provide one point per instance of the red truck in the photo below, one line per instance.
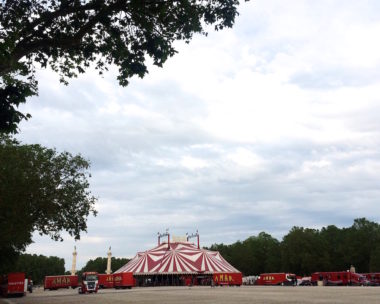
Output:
(60, 281)
(13, 284)
(105, 280)
(123, 280)
(338, 278)
(277, 279)
(90, 282)
(228, 279)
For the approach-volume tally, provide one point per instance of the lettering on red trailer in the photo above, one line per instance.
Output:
(228, 278)
(14, 283)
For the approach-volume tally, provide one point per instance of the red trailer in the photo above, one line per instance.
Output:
(277, 279)
(60, 281)
(230, 279)
(13, 284)
(105, 280)
(123, 280)
(338, 278)
(373, 278)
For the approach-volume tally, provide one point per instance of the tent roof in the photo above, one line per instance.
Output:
(177, 258)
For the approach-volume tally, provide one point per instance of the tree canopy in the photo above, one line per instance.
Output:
(304, 250)
(40, 190)
(100, 264)
(37, 267)
(70, 35)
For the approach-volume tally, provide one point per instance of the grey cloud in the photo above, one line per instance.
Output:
(328, 78)
(137, 152)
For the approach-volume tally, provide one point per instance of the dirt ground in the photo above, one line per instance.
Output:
(200, 295)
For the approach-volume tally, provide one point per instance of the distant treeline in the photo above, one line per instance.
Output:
(100, 264)
(304, 250)
(37, 267)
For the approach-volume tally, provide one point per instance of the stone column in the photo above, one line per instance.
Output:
(109, 255)
(73, 270)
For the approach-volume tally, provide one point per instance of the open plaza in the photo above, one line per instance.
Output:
(200, 295)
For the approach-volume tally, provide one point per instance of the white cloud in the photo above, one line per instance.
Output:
(193, 163)
(268, 125)
(245, 158)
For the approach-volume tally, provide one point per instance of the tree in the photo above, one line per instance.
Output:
(40, 190)
(268, 253)
(303, 251)
(374, 262)
(255, 255)
(69, 35)
(37, 267)
(338, 250)
(100, 264)
(363, 238)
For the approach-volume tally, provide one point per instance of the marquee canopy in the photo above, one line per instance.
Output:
(177, 258)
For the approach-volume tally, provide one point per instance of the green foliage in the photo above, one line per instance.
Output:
(304, 251)
(374, 262)
(100, 264)
(335, 240)
(13, 92)
(69, 36)
(38, 266)
(257, 254)
(363, 240)
(40, 190)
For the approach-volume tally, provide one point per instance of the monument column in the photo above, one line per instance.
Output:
(73, 270)
(109, 255)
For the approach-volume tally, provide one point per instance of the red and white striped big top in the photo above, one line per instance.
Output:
(177, 258)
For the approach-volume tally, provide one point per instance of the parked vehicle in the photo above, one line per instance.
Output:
(277, 279)
(338, 278)
(250, 280)
(123, 280)
(60, 281)
(13, 284)
(305, 281)
(373, 278)
(105, 280)
(89, 283)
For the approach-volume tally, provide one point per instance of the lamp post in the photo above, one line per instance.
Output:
(160, 235)
(194, 235)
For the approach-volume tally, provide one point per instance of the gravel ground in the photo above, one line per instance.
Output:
(200, 295)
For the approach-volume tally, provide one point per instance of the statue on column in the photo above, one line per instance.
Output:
(109, 255)
(73, 267)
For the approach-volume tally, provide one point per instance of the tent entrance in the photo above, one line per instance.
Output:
(173, 280)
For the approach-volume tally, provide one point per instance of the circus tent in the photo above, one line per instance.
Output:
(181, 259)
(177, 258)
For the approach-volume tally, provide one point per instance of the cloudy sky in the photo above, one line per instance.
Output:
(269, 125)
